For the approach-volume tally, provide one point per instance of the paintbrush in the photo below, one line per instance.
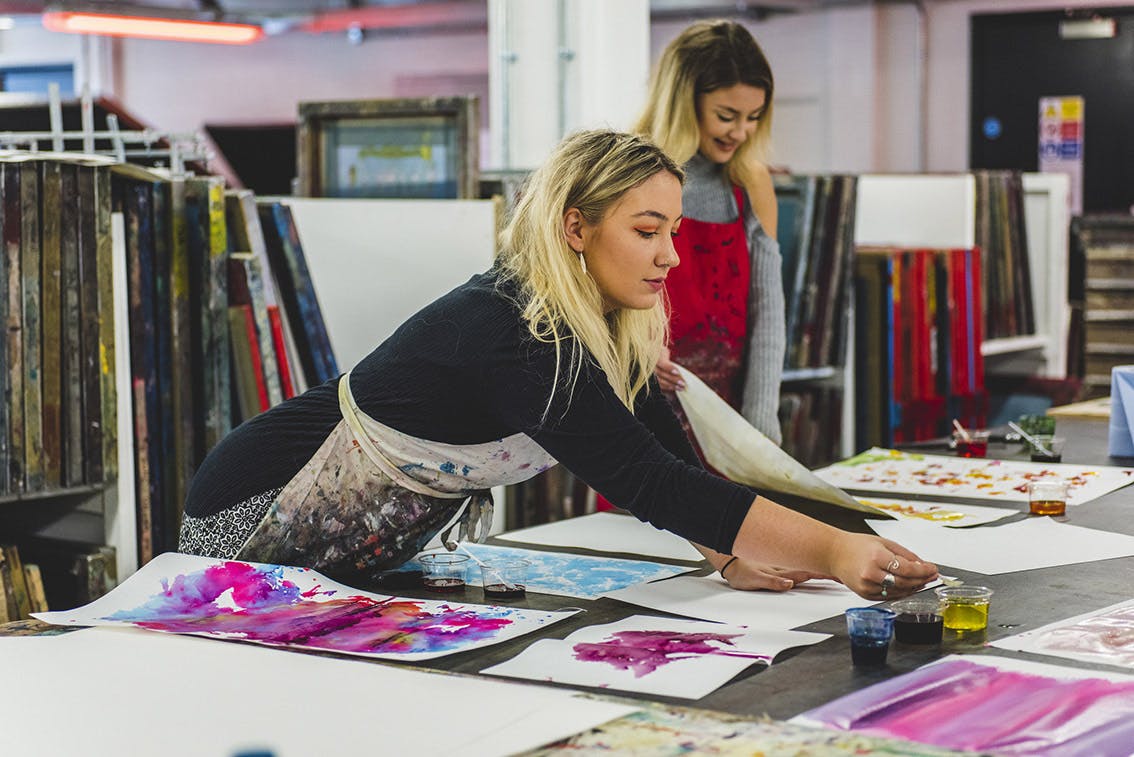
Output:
(485, 569)
(961, 430)
(1031, 439)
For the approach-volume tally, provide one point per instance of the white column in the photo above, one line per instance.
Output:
(560, 65)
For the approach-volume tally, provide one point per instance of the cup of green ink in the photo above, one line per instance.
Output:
(965, 608)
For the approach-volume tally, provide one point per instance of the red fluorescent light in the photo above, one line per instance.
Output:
(151, 28)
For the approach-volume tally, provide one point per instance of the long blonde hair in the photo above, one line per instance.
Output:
(590, 171)
(707, 56)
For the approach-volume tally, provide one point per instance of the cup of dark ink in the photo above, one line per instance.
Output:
(870, 630)
(504, 579)
(443, 571)
(918, 620)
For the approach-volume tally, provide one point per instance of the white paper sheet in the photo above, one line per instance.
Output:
(122, 691)
(896, 472)
(711, 598)
(296, 607)
(951, 514)
(663, 656)
(1026, 544)
(608, 532)
(1104, 636)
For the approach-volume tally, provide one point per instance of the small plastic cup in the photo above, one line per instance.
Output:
(918, 620)
(870, 629)
(1047, 497)
(971, 444)
(1053, 446)
(443, 572)
(504, 579)
(965, 608)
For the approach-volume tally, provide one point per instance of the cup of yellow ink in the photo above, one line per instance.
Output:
(964, 608)
(1047, 496)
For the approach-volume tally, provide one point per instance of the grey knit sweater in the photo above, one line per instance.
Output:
(708, 196)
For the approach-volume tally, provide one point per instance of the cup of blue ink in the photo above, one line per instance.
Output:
(870, 630)
(443, 571)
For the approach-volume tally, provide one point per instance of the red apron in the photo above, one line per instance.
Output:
(708, 307)
(708, 301)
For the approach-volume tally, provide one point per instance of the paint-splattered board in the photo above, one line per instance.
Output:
(897, 473)
(663, 656)
(675, 731)
(296, 607)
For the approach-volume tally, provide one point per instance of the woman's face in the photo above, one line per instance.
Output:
(727, 117)
(630, 251)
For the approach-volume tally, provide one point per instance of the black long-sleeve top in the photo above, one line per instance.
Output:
(465, 370)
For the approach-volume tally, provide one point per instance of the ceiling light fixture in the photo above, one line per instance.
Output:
(151, 28)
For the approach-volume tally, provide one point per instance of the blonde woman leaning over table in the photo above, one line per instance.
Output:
(548, 356)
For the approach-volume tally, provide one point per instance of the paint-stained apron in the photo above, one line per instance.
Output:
(371, 497)
(708, 301)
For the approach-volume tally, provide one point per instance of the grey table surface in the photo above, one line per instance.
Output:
(807, 677)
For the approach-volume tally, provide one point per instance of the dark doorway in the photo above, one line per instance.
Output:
(1018, 58)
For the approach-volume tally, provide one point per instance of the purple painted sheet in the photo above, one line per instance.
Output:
(965, 705)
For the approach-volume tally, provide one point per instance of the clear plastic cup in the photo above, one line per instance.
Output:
(870, 630)
(504, 579)
(918, 620)
(443, 571)
(965, 608)
(1047, 496)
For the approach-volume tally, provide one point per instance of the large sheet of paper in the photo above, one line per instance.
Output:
(1104, 636)
(663, 656)
(993, 704)
(607, 532)
(1026, 544)
(896, 472)
(951, 514)
(740, 452)
(567, 575)
(711, 598)
(296, 607)
(123, 691)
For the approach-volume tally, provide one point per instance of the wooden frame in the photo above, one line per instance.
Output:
(407, 139)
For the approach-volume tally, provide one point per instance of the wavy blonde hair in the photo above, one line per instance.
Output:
(590, 171)
(707, 56)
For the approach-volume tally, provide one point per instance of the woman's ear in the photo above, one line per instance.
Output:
(573, 229)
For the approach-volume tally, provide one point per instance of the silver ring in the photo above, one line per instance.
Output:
(888, 581)
(893, 566)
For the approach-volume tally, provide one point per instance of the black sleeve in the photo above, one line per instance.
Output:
(587, 429)
(654, 410)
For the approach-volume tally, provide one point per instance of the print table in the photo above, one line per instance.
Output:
(810, 676)
(1022, 601)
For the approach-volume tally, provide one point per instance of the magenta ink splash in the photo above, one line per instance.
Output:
(965, 705)
(643, 652)
(257, 603)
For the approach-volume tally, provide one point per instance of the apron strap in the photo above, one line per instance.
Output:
(476, 518)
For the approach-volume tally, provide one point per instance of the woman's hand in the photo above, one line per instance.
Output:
(747, 575)
(667, 374)
(877, 569)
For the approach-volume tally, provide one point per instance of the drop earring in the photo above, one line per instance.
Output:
(583, 263)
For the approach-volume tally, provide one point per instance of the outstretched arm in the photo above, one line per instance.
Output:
(775, 534)
(749, 575)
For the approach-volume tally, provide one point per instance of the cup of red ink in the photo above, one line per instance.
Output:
(504, 579)
(971, 443)
(443, 571)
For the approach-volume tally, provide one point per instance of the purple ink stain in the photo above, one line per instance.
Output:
(243, 601)
(643, 652)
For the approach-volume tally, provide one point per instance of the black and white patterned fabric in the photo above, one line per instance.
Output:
(223, 534)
